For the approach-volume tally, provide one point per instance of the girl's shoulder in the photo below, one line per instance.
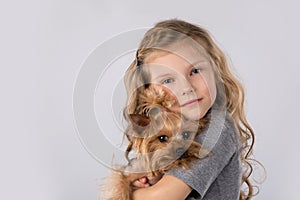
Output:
(206, 176)
(221, 131)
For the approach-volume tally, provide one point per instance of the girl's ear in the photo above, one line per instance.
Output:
(139, 122)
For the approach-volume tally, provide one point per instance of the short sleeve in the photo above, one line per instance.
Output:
(220, 138)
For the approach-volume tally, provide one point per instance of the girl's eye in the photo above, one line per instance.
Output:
(195, 71)
(166, 81)
(185, 135)
(163, 138)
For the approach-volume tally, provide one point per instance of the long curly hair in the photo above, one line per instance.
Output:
(162, 39)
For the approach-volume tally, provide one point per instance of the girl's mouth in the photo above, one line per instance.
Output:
(191, 102)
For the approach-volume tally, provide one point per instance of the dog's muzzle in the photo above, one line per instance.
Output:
(180, 151)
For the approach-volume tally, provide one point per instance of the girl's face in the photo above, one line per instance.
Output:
(192, 83)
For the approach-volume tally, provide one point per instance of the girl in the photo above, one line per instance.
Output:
(183, 58)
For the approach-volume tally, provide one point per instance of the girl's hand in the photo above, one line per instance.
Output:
(141, 183)
(146, 181)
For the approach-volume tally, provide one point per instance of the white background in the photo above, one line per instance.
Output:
(44, 43)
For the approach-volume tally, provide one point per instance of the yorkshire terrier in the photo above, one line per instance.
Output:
(161, 140)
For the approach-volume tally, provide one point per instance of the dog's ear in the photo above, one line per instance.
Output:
(139, 122)
(158, 115)
(156, 112)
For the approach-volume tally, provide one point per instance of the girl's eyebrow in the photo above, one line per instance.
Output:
(162, 76)
(198, 62)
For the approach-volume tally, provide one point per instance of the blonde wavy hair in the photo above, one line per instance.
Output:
(159, 37)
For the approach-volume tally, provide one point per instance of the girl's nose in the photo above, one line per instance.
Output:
(186, 88)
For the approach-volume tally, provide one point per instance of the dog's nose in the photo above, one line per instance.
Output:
(180, 151)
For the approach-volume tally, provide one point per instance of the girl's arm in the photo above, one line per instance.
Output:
(168, 187)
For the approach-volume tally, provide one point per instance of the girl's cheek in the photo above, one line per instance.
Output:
(212, 90)
(170, 88)
(175, 104)
(175, 108)
(170, 99)
(210, 85)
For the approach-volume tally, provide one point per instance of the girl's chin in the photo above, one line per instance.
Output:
(193, 115)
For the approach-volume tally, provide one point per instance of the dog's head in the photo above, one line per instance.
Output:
(160, 136)
(161, 128)
(164, 137)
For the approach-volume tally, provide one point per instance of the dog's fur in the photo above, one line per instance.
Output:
(161, 139)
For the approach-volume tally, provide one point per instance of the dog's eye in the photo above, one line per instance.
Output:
(163, 138)
(186, 135)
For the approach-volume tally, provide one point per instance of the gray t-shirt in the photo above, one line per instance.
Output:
(217, 176)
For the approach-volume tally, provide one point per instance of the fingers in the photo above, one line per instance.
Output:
(143, 180)
(141, 183)
(154, 179)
